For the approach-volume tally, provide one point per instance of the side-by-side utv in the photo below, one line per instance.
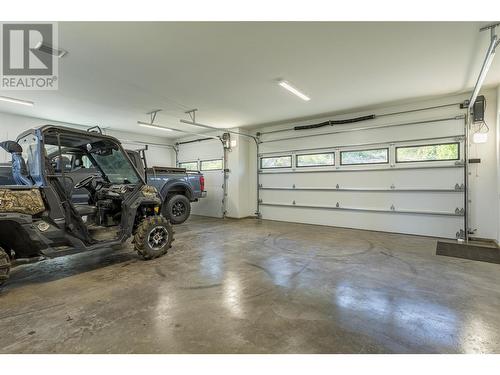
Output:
(40, 218)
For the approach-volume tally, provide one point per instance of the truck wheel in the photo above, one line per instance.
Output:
(153, 238)
(4, 266)
(177, 209)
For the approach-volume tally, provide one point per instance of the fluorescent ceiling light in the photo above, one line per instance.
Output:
(151, 126)
(16, 101)
(293, 90)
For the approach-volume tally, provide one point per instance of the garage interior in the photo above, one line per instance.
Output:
(352, 192)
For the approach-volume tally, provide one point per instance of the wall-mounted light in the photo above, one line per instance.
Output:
(16, 101)
(480, 137)
(480, 133)
(151, 126)
(293, 90)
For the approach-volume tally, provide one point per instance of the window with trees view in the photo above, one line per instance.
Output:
(437, 152)
(316, 160)
(211, 165)
(189, 166)
(375, 156)
(276, 162)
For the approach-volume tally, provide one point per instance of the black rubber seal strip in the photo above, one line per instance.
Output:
(335, 122)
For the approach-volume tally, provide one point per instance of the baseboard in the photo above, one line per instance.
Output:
(483, 251)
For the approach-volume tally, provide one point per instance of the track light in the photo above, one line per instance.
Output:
(16, 101)
(293, 90)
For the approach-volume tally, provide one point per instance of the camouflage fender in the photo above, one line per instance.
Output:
(149, 191)
(22, 201)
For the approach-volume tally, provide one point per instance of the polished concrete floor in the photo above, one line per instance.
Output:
(250, 286)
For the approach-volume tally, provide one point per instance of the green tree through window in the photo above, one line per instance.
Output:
(445, 151)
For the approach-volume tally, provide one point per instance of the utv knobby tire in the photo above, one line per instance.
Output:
(145, 236)
(177, 209)
(4, 266)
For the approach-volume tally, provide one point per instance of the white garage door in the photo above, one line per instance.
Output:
(206, 156)
(406, 178)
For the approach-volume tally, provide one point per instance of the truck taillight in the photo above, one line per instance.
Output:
(202, 183)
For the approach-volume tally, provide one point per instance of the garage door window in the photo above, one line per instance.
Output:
(437, 152)
(189, 166)
(276, 162)
(375, 156)
(211, 165)
(316, 160)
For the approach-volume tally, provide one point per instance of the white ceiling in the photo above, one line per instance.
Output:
(116, 72)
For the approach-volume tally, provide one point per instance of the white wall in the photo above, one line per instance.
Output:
(12, 125)
(497, 133)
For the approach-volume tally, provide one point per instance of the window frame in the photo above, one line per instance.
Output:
(189, 162)
(208, 170)
(424, 145)
(317, 165)
(275, 157)
(387, 151)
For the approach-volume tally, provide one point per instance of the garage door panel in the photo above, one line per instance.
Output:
(396, 134)
(426, 209)
(446, 202)
(439, 178)
(204, 150)
(212, 204)
(426, 225)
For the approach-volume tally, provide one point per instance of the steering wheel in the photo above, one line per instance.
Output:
(85, 182)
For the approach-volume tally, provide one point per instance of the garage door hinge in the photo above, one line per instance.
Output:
(393, 187)
(337, 205)
(337, 187)
(460, 234)
(465, 104)
(260, 200)
(459, 211)
(293, 186)
(393, 208)
(293, 202)
(260, 186)
(459, 187)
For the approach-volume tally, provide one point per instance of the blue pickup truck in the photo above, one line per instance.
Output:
(178, 188)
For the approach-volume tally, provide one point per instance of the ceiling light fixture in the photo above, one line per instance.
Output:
(17, 101)
(151, 126)
(293, 90)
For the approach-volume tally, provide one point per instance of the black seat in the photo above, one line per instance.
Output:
(85, 209)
